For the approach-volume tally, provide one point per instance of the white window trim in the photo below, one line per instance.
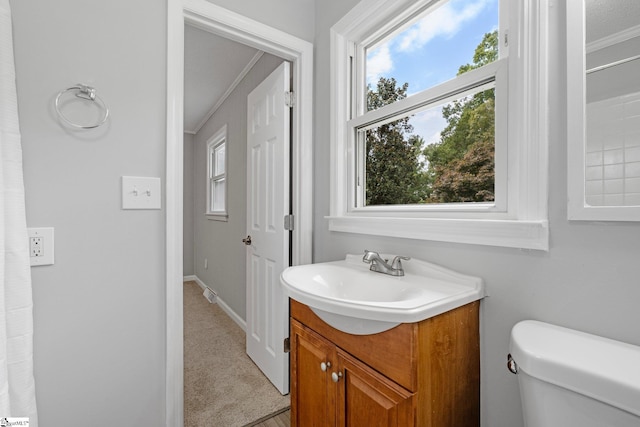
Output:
(220, 137)
(525, 224)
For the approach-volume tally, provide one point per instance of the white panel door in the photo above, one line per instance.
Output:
(267, 204)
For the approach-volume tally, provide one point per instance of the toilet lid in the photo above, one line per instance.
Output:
(594, 366)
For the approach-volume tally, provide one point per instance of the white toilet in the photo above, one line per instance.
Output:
(573, 379)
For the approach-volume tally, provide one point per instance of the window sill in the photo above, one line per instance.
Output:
(217, 217)
(503, 233)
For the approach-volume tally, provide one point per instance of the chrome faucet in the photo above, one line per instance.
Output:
(381, 265)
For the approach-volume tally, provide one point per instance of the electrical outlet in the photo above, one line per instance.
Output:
(41, 246)
(35, 246)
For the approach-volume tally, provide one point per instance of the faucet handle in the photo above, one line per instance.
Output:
(369, 256)
(396, 261)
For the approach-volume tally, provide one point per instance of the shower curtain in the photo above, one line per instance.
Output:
(17, 386)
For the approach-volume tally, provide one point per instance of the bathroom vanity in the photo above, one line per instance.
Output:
(423, 374)
(383, 345)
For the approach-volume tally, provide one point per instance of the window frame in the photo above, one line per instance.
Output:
(521, 221)
(494, 75)
(213, 144)
(577, 207)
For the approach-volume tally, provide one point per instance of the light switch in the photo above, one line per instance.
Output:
(140, 192)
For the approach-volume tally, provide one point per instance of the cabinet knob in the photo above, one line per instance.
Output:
(324, 366)
(335, 377)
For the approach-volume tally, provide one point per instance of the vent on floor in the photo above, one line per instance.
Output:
(210, 295)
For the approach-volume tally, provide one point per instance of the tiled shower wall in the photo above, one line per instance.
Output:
(613, 151)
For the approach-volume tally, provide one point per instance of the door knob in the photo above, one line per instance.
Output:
(247, 240)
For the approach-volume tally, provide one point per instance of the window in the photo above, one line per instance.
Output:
(435, 141)
(217, 175)
(436, 134)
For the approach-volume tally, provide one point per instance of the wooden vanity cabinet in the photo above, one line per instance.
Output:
(314, 398)
(333, 388)
(424, 374)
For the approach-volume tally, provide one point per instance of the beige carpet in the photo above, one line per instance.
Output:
(222, 386)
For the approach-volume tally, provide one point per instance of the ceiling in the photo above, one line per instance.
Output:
(607, 17)
(212, 66)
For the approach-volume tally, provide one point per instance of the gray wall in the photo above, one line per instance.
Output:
(99, 317)
(217, 241)
(188, 200)
(589, 279)
(99, 312)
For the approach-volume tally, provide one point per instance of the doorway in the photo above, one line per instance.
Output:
(236, 152)
(217, 20)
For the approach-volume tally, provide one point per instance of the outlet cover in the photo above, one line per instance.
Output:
(41, 246)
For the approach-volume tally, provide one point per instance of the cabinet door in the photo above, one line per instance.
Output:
(312, 391)
(366, 398)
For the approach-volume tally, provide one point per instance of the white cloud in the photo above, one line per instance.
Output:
(379, 63)
(444, 21)
(428, 124)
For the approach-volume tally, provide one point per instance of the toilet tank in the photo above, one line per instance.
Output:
(569, 378)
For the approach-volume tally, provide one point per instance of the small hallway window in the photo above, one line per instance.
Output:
(217, 175)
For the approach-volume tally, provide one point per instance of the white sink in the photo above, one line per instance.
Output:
(353, 299)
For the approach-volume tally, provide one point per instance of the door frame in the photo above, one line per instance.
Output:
(222, 22)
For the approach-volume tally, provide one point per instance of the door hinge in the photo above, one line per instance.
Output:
(288, 222)
(289, 99)
(287, 345)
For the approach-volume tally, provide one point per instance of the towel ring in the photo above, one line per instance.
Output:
(88, 93)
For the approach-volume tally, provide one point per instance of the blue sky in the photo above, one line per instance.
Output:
(431, 51)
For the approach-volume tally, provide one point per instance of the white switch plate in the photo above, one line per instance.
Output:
(41, 246)
(140, 192)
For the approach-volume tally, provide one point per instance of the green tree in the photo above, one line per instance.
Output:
(470, 178)
(467, 144)
(393, 167)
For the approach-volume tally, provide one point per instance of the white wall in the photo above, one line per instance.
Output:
(589, 279)
(99, 316)
(291, 16)
(188, 264)
(218, 241)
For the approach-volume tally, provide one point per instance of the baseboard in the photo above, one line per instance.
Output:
(232, 314)
(191, 278)
(228, 310)
(199, 282)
